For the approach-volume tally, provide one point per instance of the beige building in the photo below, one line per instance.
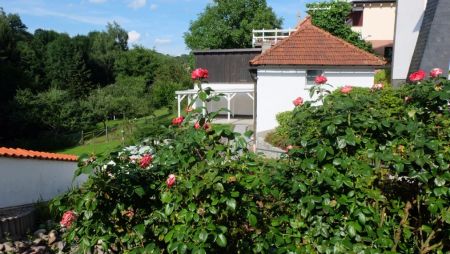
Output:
(375, 20)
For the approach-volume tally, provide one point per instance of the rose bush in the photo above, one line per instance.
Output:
(366, 172)
(372, 169)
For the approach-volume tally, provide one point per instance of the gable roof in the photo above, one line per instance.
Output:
(310, 45)
(28, 154)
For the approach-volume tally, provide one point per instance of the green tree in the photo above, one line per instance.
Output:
(332, 17)
(105, 46)
(229, 24)
(137, 62)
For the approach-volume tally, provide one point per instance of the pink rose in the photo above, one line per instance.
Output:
(177, 121)
(417, 76)
(378, 86)
(145, 161)
(170, 181)
(199, 73)
(436, 72)
(67, 219)
(346, 89)
(197, 125)
(298, 101)
(207, 126)
(320, 80)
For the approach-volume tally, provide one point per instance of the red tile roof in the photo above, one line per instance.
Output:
(28, 154)
(310, 45)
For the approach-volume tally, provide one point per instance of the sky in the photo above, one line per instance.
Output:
(155, 24)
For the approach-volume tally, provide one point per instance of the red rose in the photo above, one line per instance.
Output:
(346, 89)
(207, 126)
(170, 181)
(320, 80)
(177, 120)
(436, 72)
(298, 101)
(67, 219)
(145, 161)
(417, 76)
(199, 73)
(197, 125)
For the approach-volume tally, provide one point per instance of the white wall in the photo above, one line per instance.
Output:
(378, 21)
(276, 89)
(25, 181)
(241, 104)
(408, 22)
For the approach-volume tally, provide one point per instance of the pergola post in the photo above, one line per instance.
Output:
(228, 106)
(179, 104)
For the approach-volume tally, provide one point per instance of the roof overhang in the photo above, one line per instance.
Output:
(218, 51)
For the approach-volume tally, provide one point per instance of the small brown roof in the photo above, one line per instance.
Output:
(310, 45)
(28, 154)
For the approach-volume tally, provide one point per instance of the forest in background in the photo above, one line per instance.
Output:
(52, 84)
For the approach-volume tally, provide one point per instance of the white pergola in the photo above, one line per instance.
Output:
(228, 94)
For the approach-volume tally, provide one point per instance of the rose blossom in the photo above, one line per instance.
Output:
(170, 181)
(289, 147)
(298, 101)
(346, 89)
(197, 125)
(417, 76)
(67, 219)
(146, 160)
(436, 72)
(129, 213)
(189, 109)
(177, 120)
(207, 126)
(320, 80)
(378, 86)
(199, 73)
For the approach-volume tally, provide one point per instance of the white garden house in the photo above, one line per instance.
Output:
(265, 83)
(288, 69)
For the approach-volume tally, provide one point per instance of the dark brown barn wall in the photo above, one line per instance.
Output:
(227, 66)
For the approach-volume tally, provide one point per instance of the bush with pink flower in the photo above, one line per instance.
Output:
(365, 172)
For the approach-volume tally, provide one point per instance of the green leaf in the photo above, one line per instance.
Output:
(139, 229)
(169, 209)
(231, 203)
(439, 181)
(321, 153)
(139, 191)
(198, 251)
(221, 240)
(203, 236)
(252, 219)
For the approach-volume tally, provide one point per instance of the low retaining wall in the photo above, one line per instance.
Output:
(16, 222)
(26, 181)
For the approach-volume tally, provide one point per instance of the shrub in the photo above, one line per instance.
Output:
(368, 173)
(280, 137)
(373, 169)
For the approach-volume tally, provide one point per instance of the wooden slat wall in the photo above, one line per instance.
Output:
(226, 67)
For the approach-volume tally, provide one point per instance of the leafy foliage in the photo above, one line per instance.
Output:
(54, 82)
(229, 23)
(332, 17)
(368, 173)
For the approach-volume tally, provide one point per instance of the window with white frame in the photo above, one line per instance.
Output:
(311, 76)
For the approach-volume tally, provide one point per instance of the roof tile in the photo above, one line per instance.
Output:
(22, 153)
(310, 45)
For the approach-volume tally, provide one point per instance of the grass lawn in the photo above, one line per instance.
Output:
(100, 145)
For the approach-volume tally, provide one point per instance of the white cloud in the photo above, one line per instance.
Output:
(161, 41)
(88, 19)
(153, 7)
(136, 4)
(133, 36)
(97, 1)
